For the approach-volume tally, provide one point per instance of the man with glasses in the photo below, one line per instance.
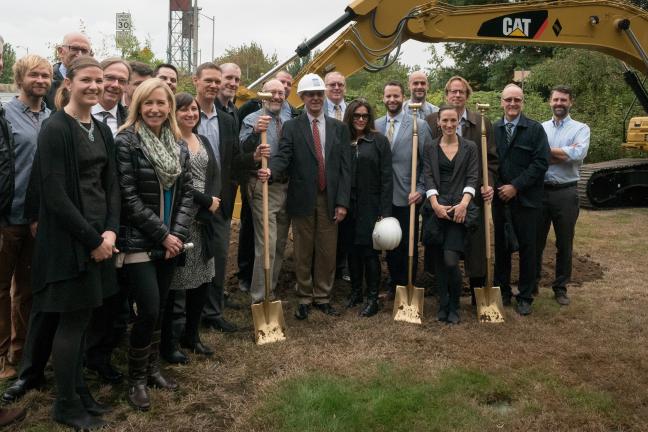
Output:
(523, 154)
(109, 110)
(315, 153)
(167, 73)
(457, 94)
(269, 119)
(418, 87)
(335, 106)
(74, 45)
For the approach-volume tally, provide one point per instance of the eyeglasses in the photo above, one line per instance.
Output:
(312, 94)
(512, 99)
(359, 116)
(110, 78)
(335, 84)
(78, 50)
(457, 92)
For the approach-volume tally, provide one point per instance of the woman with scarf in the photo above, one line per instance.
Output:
(157, 210)
(73, 267)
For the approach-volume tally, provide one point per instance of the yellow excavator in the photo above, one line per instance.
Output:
(374, 31)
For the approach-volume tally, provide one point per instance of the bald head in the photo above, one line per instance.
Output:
(275, 87)
(512, 101)
(418, 86)
(74, 45)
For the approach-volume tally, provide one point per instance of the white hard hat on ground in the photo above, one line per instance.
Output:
(387, 234)
(310, 82)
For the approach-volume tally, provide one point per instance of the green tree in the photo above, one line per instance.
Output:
(369, 85)
(9, 58)
(250, 58)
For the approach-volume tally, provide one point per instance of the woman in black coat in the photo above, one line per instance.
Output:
(451, 172)
(371, 198)
(157, 210)
(194, 276)
(73, 269)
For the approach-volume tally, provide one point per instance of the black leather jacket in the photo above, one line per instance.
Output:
(141, 227)
(6, 167)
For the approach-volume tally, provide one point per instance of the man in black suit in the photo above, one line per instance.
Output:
(222, 132)
(315, 152)
(523, 153)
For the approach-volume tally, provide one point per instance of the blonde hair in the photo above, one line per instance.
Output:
(463, 80)
(62, 97)
(28, 63)
(142, 92)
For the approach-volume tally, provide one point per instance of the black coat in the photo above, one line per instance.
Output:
(296, 157)
(141, 227)
(57, 80)
(524, 163)
(65, 239)
(7, 167)
(465, 174)
(371, 185)
(203, 200)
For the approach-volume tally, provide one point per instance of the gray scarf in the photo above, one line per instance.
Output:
(163, 153)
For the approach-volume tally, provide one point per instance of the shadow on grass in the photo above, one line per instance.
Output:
(393, 399)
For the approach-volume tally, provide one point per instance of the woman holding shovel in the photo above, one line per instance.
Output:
(451, 172)
(371, 197)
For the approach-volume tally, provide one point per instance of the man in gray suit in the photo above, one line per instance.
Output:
(397, 126)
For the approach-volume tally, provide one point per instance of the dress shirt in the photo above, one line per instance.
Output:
(462, 122)
(25, 126)
(330, 108)
(209, 128)
(515, 122)
(426, 109)
(398, 120)
(321, 125)
(99, 112)
(573, 138)
(63, 70)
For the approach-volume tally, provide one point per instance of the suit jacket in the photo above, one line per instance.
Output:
(524, 163)
(464, 175)
(401, 149)
(296, 157)
(472, 132)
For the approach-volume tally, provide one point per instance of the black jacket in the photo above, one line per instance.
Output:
(65, 239)
(465, 174)
(524, 163)
(203, 200)
(296, 157)
(7, 167)
(57, 80)
(141, 227)
(371, 185)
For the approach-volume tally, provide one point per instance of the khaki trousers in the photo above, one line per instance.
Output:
(15, 298)
(278, 224)
(315, 237)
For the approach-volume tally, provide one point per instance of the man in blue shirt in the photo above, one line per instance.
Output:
(569, 141)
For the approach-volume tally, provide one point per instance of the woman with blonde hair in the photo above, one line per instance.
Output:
(157, 210)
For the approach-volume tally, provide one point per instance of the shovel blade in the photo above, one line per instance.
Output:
(269, 324)
(408, 304)
(489, 305)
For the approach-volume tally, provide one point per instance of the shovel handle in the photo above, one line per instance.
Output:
(487, 204)
(413, 181)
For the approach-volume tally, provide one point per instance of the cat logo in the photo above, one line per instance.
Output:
(523, 25)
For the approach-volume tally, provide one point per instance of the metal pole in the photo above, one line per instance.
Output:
(213, 33)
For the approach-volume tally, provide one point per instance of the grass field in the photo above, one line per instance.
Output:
(578, 368)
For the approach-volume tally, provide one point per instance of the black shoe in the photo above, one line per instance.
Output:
(523, 307)
(562, 299)
(106, 372)
(442, 315)
(354, 300)
(371, 309)
(453, 317)
(302, 312)
(72, 413)
(198, 348)
(327, 309)
(175, 356)
(91, 405)
(21, 386)
(220, 324)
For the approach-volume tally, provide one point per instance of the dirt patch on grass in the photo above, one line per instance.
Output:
(577, 368)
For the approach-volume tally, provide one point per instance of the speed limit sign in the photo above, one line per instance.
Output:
(123, 23)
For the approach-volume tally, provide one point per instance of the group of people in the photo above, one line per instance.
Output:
(117, 196)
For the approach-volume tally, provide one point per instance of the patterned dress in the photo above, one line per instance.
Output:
(196, 270)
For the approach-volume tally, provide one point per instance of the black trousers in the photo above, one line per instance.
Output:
(560, 208)
(397, 258)
(525, 225)
(245, 256)
(38, 344)
(149, 283)
(67, 353)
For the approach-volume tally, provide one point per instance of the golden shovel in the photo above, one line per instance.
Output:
(408, 301)
(489, 298)
(269, 323)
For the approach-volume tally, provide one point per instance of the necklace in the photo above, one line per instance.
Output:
(90, 130)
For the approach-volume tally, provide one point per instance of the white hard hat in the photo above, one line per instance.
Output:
(310, 82)
(387, 234)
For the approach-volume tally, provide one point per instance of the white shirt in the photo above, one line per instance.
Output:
(321, 125)
(330, 108)
(99, 112)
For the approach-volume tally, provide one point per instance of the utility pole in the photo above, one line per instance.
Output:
(196, 11)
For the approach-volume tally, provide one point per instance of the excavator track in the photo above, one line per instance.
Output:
(616, 183)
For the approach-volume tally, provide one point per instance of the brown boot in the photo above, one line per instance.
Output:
(6, 371)
(138, 395)
(155, 378)
(11, 415)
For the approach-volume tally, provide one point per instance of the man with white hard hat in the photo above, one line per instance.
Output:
(315, 153)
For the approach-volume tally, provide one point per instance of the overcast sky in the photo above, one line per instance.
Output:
(278, 26)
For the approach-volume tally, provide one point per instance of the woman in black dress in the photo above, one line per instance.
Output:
(451, 172)
(371, 198)
(73, 267)
(193, 278)
(157, 210)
